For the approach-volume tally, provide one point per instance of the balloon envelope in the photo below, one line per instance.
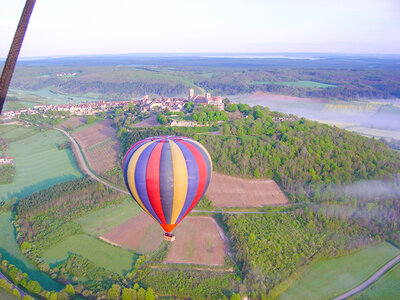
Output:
(167, 176)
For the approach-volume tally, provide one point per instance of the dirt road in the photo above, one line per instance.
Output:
(85, 168)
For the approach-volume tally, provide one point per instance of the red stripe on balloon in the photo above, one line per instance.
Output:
(201, 164)
(153, 181)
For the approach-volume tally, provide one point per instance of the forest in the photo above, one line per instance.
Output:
(7, 173)
(44, 218)
(118, 78)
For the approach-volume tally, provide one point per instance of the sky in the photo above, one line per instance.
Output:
(76, 27)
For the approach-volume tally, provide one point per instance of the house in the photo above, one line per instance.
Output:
(6, 160)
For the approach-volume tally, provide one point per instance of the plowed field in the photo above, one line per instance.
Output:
(140, 233)
(100, 145)
(197, 242)
(228, 191)
(72, 123)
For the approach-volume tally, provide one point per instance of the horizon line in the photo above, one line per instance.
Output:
(206, 53)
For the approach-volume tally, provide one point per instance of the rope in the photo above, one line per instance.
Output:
(15, 48)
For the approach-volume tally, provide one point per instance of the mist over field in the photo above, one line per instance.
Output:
(349, 115)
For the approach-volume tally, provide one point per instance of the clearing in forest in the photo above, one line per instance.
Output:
(100, 145)
(103, 220)
(149, 122)
(228, 191)
(103, 255)
(72, 123)
(197, 242)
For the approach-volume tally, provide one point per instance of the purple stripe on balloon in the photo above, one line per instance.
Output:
(166, 181)
(140, 179)
(193, 178)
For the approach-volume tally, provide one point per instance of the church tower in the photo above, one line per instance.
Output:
(191, 94)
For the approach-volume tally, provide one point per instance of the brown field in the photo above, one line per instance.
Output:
(197, 242)
(72, 122)
(100, 145)
(228, 191)
(140, 233)
(149, 122)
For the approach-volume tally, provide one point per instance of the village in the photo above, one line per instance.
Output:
(146, 105)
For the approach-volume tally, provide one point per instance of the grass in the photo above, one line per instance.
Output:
(11, 252)
(332, 277)
(4, 295)
(85, 125)
(102, 221)
(13, 133)
(114, 259)
(151, 240)
(38, 162)
(299, 83)
(387, 287)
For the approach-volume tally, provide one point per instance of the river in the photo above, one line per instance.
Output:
(10, 251)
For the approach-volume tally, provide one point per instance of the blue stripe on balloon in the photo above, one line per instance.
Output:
(126, 164)
(140, 179)
(193, 178)
(166, 181)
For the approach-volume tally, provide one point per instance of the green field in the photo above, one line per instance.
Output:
(387, 287)
(299, 83)
(13, 133)
(114, 259)
(11, 252)
(331, 277)
(102, 221)
(4, 295)
(38, 162)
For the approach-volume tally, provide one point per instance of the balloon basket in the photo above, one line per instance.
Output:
(169, 237)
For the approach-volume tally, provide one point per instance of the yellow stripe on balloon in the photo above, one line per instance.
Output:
(131, 176)
(180, 180)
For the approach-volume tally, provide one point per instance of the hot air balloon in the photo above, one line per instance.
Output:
(167, 176)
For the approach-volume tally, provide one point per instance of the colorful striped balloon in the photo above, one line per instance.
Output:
(167, 176)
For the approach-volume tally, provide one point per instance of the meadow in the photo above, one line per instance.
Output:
(387, 287)
(38, 161)
(332, 277)
(13, 133)
(103, 220)
(10, 251)
(7, 296)
(114, 259)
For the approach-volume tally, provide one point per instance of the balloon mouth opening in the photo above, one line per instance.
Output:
(168, 227)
